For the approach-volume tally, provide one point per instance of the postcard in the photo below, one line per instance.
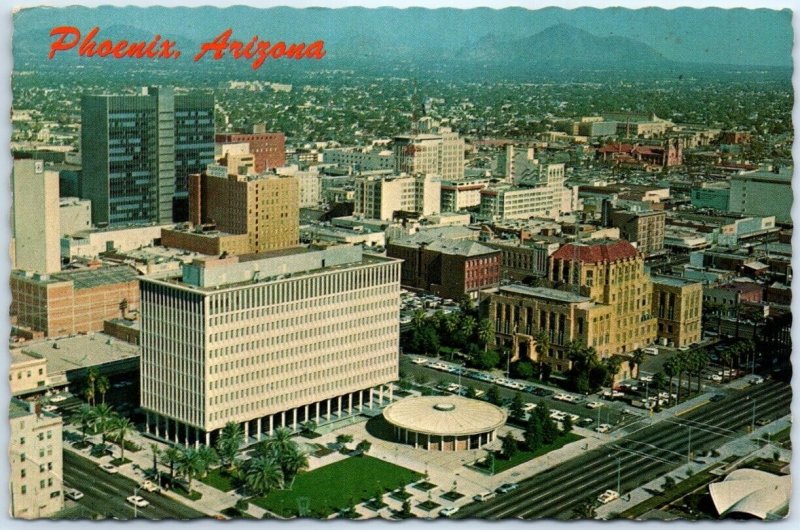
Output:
(401, 263)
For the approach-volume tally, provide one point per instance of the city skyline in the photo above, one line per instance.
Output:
(537, 267)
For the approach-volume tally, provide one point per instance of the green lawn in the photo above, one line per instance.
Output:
(682, 488)
(220, 479)
(337, 485)
(522, 456)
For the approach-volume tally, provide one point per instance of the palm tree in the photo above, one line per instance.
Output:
(91, 378)
(207, 457)
(230, 440)
(485, 333)
(156, 453)
(635, 360)
(670, 368)
(701, 363)
(103, 416)
(89, 392)
(468, 325)
(262, 475)
(309, 426)
(418, 319)
(450, 323)
(293, 463)
(102, 386)
(170, 457)
(121, 428)
(726, 358)
(189, 465)
(279, 443)
(84, 417)
(543, 347)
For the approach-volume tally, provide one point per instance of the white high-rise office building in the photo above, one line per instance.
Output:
(431, 149)
(379, 197)
(267, 342)
(36, 217)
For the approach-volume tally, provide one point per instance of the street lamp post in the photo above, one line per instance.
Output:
(135, 493)
(689, 447)
(753, 418)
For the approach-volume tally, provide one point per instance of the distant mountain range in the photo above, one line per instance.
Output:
(511, 36)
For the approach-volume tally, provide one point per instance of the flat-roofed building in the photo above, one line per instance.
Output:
(35, 452)
(645, 229)
(520, 313)
(72, 301)
(678, 306)
(35, 217)
(267, 340)
(763, 193)
(27, 372)
(382, 196)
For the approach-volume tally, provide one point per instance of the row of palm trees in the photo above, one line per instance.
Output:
(274, 464)
(96, 384)
(691, 363)
(106, 422)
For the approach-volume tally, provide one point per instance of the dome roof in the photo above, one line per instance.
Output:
(751, 491)
(445, 415)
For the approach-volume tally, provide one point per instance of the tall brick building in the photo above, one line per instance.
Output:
(268, 148)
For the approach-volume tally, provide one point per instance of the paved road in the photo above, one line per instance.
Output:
(640, 457)
(610, 412)
(105, 494)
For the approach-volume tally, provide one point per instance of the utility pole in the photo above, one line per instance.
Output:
(689, 448)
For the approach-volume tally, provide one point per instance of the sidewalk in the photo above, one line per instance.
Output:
(212, 502)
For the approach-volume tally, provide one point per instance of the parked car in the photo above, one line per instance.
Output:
(594, 405)
(49, 408)
(608, 496)
(527, 407)
(73, 494)
(505, 488)
(717, 397)
(448, 512)
(138, 501)
(763, 421)
(756, 380)
(543, 392)
(585, 422)
(603, 428)
(108, 468)
(150, 486)
(58, 399)
(482, 497)
(652, 350)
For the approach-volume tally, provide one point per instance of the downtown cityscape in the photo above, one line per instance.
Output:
(523, 265)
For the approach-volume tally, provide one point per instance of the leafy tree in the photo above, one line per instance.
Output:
(566, 424)
(156, 453)
(523, 369)
(470, 392)
(405, 510)
(364, 446)
(493, 395)
(344, 439)
(516, 407)
(533, 433)
(510, 447)
(488, 360)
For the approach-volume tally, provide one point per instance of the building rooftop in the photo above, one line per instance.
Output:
(672, 281)
(80, 351)
(445, 415)
(86, 278)
(545, 292)
(596, 252)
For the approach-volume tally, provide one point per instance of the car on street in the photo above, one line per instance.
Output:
(608, 496)
(594, 405)
(646, 379)
(763, 421)
(108, 468)
(482, 497)
(505, 488)
(557, 415)
(717, 397)
(714, 377)
(150, 486)
(58, 399)
(138, 501)
(603, 428)
(448, 512)
(756, 380)
(73, 494)
(585, 422)
(542, 392)
(419, 360)
(527, 407)
(561, 397)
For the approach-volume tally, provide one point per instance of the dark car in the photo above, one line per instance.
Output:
(543, 392)
(717, 397)
(585, 422)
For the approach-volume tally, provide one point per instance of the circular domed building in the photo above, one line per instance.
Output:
(444, 423)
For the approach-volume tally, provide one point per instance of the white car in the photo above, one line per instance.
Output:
(594, 405)
(419, 360)
(49, 408)
(651, 350)
(527, 407)
(448, 512)
(557, 415)
(608, 496)
(73, 494)
(139, 502)
(58, 399)
(150, 486)
(603, 428)
(646, 379)
(108, 468)
(561, 397)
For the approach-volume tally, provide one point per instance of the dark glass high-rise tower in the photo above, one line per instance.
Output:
(138, 150)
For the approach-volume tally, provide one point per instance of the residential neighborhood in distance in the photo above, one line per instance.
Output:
(480, 264)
